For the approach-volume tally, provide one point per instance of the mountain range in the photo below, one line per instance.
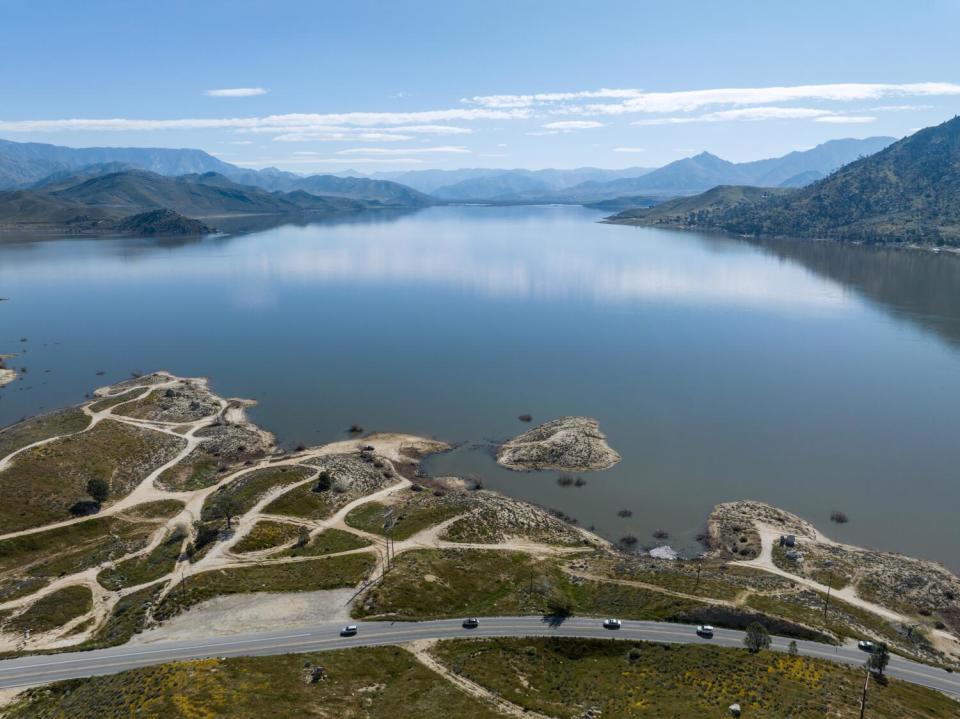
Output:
(588, 185)
(441, 183)
(22, 165)
(907, 192)
(88, 199)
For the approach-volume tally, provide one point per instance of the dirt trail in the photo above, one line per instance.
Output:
(421, 650)
(769, 535)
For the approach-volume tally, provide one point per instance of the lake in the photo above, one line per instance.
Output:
(811, 375)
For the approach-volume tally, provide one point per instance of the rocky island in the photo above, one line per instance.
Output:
(567, 444)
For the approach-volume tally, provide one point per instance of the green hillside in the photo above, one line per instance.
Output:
(906, 193)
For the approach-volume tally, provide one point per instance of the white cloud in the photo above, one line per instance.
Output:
(403, 151)
(542, 133)
(545, 98)
(845, 119)
(309, 160)
(900, 108)
(341, 136)
(237, 92)
(741, 114)
(292, 122)
(568, 125)
(237, 142)
(638, 101)
(629, 149)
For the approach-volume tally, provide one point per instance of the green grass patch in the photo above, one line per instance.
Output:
(85, 544)
(266, 534)
(305, 503)
(306, 576)
(198, 470)
(408, 519)
(42, 483)
(842, 619)
(427, 584)
(567, 677)
(52, 611)
(140, 570)
(113, 401)
(128, 618)
(329, 541)
(373, 683)
(249, 488)
(19, 435)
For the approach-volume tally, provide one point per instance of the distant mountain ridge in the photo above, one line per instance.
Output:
(25, 164)
(908, 192)
(589, 185)
(89, 200)
(701, 172)
(433, 182)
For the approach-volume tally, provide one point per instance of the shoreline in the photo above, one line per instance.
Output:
(912, 246)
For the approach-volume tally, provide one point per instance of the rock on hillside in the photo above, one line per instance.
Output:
(571, 444)
(162, 222)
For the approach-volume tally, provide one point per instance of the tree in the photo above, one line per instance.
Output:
(227, 506)
(324, 482)
(792, 649)
(756, 638)
(98, 489)
(303, 537)
(559, 604)
(878, 660)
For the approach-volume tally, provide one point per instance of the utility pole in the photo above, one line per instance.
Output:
(828, 564)
(388, 522)
(863, 699)
(699, 568)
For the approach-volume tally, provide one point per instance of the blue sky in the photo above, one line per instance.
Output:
(324, 86)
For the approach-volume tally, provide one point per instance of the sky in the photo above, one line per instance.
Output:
(406, 85)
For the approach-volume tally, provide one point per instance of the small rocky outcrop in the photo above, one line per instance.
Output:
(162, 222)
(569, 444)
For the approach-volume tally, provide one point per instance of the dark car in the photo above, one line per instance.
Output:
(471, 623)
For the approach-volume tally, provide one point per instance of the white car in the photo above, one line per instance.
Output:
(866, 646)
(705, 630)
(349, 630)
(611, 623)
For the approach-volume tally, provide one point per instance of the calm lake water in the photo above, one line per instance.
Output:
(810, 375)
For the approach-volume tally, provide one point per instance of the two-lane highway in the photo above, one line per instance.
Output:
(35, 670)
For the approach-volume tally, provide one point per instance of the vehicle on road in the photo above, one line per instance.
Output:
(471, 623)
(705, 630)
(349, 630)
(866, 646)
(611, 623)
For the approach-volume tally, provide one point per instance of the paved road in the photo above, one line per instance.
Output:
(31, 671)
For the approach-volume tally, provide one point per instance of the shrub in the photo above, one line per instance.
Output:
(839, 517)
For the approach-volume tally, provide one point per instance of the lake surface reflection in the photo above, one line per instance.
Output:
(811, 375)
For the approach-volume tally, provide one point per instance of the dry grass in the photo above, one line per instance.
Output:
(308, 576)
(374, 683)
(267, 534)
(566, 677)
(19, 435)
(43, 483)
(52, 611)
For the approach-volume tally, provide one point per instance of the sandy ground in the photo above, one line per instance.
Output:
(7, 696)
(252, 613)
